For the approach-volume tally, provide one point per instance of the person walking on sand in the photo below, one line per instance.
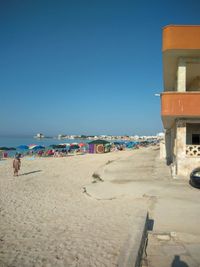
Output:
(16, 164)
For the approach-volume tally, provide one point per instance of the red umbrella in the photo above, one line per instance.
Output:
(82, 144)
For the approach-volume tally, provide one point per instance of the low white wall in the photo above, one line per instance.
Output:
(162, 150)
(187, 165)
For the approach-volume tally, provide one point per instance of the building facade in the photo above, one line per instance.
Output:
(180, 101)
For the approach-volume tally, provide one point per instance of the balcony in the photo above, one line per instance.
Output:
(179, 105)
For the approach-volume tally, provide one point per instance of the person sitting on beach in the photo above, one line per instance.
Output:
(56, 154)
(40, 153)
(16, 164)
(50, 152)
(5, 155)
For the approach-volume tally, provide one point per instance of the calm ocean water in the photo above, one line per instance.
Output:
(17, 141)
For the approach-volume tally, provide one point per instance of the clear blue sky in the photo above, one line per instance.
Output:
(84, 67)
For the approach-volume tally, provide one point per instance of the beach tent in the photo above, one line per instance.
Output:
(98, 142)
(99, 146)
(91, 148)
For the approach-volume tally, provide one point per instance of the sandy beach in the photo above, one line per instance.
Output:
(53, 214)
(48, 220)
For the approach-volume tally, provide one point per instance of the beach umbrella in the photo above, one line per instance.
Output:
(129, 145)
(74, 146)
(58, 146)
(67, 144)
(23, 147)
(7, 148)
(3, 148)
(38, 147)
(117, 143)
(52, 145)
(82, 144)
(32, 146)
(63, 144)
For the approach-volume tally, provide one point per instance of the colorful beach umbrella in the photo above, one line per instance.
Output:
(74, 146)
(82, 144)
(32, 146)
(35, 147)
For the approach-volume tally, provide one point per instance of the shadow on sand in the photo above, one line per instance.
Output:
(27, 173)
(178, 263)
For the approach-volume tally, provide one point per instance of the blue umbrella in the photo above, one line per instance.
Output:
(23, 147)
(38, 147)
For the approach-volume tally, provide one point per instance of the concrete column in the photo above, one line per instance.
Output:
(162, 150)
(168, 146)
(180, 145)
(173, 138)
(181, 76)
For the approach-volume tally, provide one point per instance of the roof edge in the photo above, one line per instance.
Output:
(181, 37)
(180, 25)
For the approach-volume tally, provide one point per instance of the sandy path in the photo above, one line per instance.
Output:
(47, 220)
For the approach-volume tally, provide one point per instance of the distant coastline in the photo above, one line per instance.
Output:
(9, 141)
(14, 141)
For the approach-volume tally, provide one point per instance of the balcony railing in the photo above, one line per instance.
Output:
(193, 150)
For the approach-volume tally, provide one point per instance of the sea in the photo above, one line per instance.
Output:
(17, 141)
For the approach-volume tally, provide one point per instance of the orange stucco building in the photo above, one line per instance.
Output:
(180, 101)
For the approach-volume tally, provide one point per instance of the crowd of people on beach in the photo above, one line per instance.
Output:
(62, 150)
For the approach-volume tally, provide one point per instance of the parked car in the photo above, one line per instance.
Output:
(195, 178)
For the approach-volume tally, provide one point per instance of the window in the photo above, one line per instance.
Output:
(196, 139)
